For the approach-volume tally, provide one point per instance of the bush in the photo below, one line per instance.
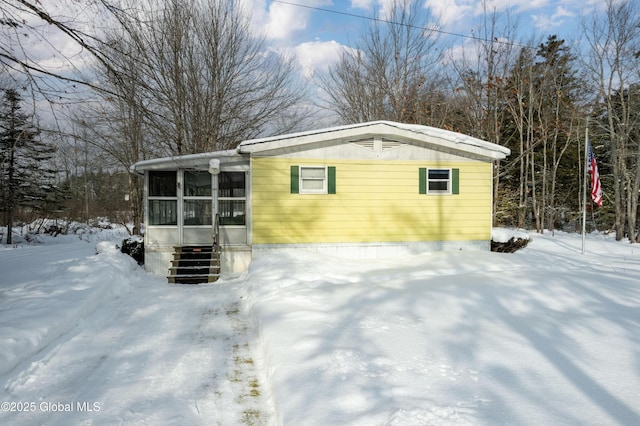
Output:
(514, 244)
(134, 247)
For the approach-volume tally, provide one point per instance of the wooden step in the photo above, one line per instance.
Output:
(193, 279)
(193, 262)
(195, 255)
(194, 265)
(193, 248)
(194, 270)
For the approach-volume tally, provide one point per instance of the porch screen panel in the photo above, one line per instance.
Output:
(232, 198)
(197, 184)
(197, 212)
(197, 204)
(162, 184)
(163, 200)
(163, 212)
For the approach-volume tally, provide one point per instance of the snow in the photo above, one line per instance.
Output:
(545, 335)
(446, 135)
(503, 235)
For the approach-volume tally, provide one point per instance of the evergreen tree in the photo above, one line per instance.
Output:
(622, 110)
(557, 125)
(26, 177)
(544, 103)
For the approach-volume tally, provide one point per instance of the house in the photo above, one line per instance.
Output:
(363, 190)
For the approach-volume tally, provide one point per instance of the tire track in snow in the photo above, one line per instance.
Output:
(156, 354)
(241, 382)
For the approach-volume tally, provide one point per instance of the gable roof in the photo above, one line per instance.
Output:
(422, 135)
(430, 137)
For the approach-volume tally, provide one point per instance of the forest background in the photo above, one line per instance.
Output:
(186, 76)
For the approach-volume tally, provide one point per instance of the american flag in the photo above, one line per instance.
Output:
(592, 168)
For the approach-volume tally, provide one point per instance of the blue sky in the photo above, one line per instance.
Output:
(314, 35)
(289, 19)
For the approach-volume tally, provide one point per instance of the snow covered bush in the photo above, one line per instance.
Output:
(504, 240)
(134, 247)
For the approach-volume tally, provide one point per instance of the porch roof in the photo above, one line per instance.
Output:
(188, 161)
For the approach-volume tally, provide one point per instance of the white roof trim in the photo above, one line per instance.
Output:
(426, 134)
(184, 161)
(445, 138)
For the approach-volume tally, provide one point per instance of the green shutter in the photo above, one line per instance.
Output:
(422, 180)
(331, 188)
(295, 179)
(455, 178)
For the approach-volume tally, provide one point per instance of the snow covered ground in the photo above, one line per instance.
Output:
(542, 336)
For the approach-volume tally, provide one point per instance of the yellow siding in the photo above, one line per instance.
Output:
(376, 201)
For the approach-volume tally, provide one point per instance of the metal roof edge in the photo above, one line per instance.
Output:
(490, 149)
(181, 160)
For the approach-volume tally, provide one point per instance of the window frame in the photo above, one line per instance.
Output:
(448, 180)
(167, 199)
(206, 200)
(231, 200)
(185, 186)
(454, 178)
(324, 179)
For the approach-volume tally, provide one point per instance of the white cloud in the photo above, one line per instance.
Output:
(562, 12)
(465, 52)
(317, 56)
(547, 22)
(285, 19)
(517, 5)
(43, 45)
(363, 4)
(281, 21)
(384, 6)
(543, 22)
(452, 12)
(449, 12)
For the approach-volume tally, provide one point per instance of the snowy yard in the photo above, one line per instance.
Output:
(543, 336)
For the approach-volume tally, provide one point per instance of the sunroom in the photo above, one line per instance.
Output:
(198, 202)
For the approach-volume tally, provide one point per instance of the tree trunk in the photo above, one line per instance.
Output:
(534, 198)
(634, 236)
(136, 194)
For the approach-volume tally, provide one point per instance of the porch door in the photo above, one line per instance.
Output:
(198, 207)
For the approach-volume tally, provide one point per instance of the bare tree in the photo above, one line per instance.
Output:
(391, 73)
(520, 90)
(556, 115)
(119, 124)
(23, 23)
(480, 80)
(208, 83)
(613, 40)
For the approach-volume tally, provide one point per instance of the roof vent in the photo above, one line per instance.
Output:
(389, 144)
(368, 144)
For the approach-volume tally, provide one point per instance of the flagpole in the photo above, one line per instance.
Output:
(584, 186)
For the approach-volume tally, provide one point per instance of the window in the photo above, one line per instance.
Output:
(163, 199)
(162, 212)
(232, 198)
(197, 212)
(197, 206)
(439, 181)
(162, 184)
(197, 184)
(313, 180)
